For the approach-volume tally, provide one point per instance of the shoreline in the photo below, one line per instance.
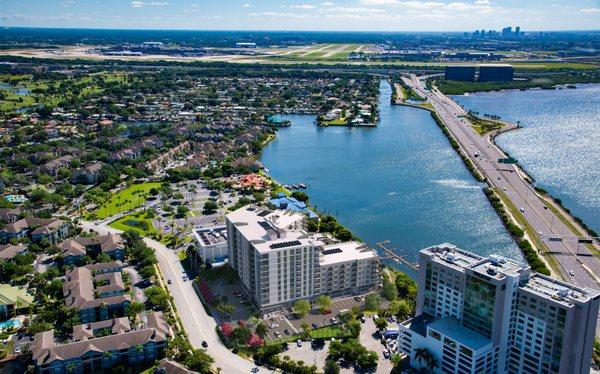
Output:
(577, 225)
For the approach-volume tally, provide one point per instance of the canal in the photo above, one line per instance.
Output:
(400, 182)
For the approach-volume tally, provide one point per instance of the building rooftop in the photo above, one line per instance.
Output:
(493, 266)
(45, 349)
(289, 203)
(82, 287)
(451, 328)
(561, 292)
(271, 230)
(211, 235)
(344, 252)
(10, 295)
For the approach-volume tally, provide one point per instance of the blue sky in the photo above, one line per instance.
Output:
(353, 15)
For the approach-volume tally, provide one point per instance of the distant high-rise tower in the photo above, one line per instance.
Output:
(518, 31)
(506, 32)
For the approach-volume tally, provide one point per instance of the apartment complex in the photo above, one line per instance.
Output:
(279, 262)
(98, 346)
(97, 291)
(492, 315)
(74, 250)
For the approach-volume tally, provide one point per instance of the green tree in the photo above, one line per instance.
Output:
(323, 302)
(199, 361)
(210, 207)
(300, 196)
(372, 302)
(381, 323)
(331, 367)
(261, 329)
(301, 308)
(389, 290)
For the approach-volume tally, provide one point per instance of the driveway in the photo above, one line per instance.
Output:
(368, 339)
(136, 280)
(198, 325)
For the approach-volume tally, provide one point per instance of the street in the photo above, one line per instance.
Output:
(198, 325)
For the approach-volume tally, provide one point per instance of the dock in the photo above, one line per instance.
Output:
(390, 254)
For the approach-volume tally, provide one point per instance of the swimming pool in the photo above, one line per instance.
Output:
(14, 322)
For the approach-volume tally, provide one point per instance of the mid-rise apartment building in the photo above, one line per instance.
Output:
(492, 315)
(279, 262)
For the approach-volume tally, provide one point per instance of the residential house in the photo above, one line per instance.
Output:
(89, 174)
(8, 251)
(52, 167)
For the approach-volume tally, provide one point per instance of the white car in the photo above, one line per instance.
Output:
(572, 273)
(522, 210)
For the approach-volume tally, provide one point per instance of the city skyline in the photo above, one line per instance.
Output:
(307, 15)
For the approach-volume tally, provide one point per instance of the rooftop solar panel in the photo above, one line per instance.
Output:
(331, 251)
(285, 244)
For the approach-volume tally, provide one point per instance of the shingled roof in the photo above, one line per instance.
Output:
(46, 350)
(79, 288)
(77, 246)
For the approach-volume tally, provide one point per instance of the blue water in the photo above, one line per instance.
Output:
(559, 144)
(10, 323)
(400, 181)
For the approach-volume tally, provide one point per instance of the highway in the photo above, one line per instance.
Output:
(577, 264)
(198, 325)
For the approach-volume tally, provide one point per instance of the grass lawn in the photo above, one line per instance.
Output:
(129, 198)
(137, 222)
(334, 331)
(336, 122)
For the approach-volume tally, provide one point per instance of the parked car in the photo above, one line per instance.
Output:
(226, 315)
(314, 326)
(277, 334)
(386, 353)
(358, 298)
(287, 332)
(363, 320)
(299, 343)
(170, 281)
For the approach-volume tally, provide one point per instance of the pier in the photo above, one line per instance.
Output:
(390, 254)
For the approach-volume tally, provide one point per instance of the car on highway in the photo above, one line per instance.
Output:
(522, 209)
(572, 273)
(170, 281)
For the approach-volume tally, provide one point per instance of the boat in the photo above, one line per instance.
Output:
(302, 185)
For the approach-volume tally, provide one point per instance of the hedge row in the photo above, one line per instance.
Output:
(533, 259)
(456, 147)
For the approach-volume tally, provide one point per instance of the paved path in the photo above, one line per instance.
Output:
(198, 325)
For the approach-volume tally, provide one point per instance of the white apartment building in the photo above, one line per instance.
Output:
(492, 315)
(211, 246)
(278, 262)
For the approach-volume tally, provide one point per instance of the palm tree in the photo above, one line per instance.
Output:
(432, 362)
(421, 354)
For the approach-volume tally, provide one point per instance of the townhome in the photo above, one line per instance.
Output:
(73, 250)
(52, 229)
(98, 295)
(98, 346)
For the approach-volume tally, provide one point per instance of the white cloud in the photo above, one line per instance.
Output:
(421, 5)
(303, 6)
(327, 3)
(590, 10)
(141, 4)
(379, 2)
(247, 5)
(364, 10)
(482, 2)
